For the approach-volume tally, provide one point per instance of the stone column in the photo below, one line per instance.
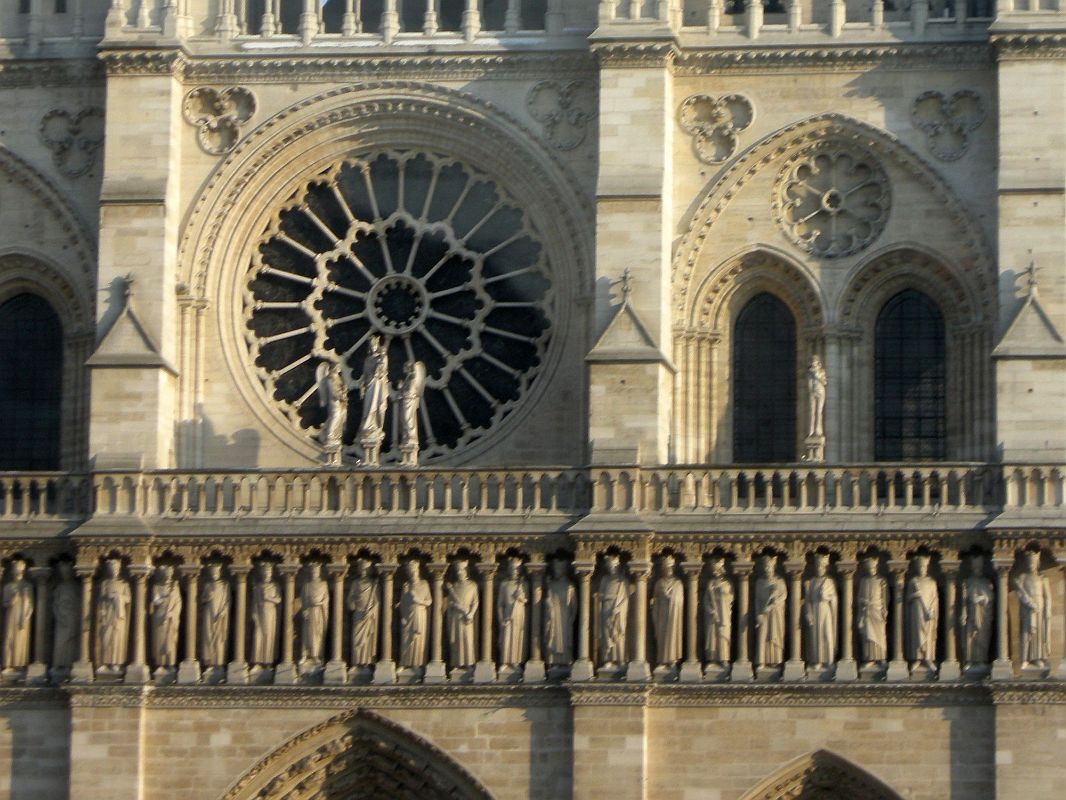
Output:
(582, 669)
(82, 669)
(638, 669)
(949, 667)
(385, 669)
(189, 669)
(534, 669)
(138, 671)
(691, 669)
(485, 669)
(390, 21)
(237, 671)
(285, 674)
(1002, 668)
(897, 667)
(436, 669)
(471, 20)
(795, 667)
(742, 671)
(847, 669)
(1060, 673)
(37, 672)
(336, 668)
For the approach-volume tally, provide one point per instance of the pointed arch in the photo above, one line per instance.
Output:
(821, 775)
(357, 755)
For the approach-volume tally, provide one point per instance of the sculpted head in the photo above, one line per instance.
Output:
(769, 564)
(612, 563)
(514, 564)
(314, 570)
(921, 565)
(717, 567)
(869, 565)
(266, 570)
(66, 570)
(112, 568)
(667, 564)
(362, 567)
(559, 568)
(214, 571)
(462, 569)
(977, 564)
(1032, 560)
(164, 573)
(18, 569)
(821, 564)
(411, 568)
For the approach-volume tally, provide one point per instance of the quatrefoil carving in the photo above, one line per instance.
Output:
(948, 121)
(74, 139)
(714, 124)
(564, 109)
(219, 115)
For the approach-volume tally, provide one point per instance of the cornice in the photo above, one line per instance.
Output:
(1029, 693)
(34, 73)
(643, 53)
(125, 62)
(696, 62)
(1029, 45)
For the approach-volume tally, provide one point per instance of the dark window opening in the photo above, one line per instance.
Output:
(764, 383)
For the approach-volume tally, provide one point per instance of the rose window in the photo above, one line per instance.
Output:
(425, 253)
(832, 202)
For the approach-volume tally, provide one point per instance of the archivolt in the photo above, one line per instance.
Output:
(355, 756)
(821, 776)
(825, 126)
(22, 272)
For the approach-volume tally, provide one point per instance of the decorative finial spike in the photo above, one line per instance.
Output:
(626, 285)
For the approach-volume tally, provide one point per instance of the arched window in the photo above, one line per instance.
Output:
(764, 382)
(909, 380)
(31, 378)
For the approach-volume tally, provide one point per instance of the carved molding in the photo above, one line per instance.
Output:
(118, 63)
(51, 72)
(823, 775)
(715, 123)
(691, 63)
(218, 116)
(1019, 46)
(639, 54)
(73, 138)
(947, 122)
(564, 109)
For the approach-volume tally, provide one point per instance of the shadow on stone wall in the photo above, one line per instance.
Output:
(551, 753)
(38, 743)
(197, 444)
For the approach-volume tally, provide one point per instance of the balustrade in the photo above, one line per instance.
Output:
(813, 615)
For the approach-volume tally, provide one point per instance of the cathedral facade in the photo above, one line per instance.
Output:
(637, 399)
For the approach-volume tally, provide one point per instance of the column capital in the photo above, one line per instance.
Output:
(639, 569)
(847, 566)
(240, 570)
(139, 571)
(584, 568)
(743, 567)
(1000, 564)
(386, 568)
(40, 574)
(949, 567)
(188, 571)
(691, 569)
(488, 569)
(795, 568)
(898, 567)
(85, 570)
(437, 570)
(337, 570)
(535, 568)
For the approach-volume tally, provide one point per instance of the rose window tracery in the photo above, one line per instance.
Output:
(832, 202)
(424, 253)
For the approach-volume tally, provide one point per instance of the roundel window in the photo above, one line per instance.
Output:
(409, 254)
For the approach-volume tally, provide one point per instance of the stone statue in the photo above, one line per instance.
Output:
(771, 594)
(1034, 611)
(112, 617)
(166, 604)
(415, 600)
(364, 601)
(374, 389)
(214, 616)
(817, 383)
(18, 614)
(613, 596)
(314, 614)
(977, 607)
(66, 613)
(512, 597)
(333, 395)
(668, 613)
(820, 606)
(923, 613)
(560, 611)
(871, 614)
(718, 614)
(462, 608)
(414, 384)
(266, 599)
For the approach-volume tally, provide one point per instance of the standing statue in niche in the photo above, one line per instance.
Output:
(718, 614)
(977, 604)
(411, 390)
(266, 600)
(668, 612)
(923, 614)
(214, 617)
(817, 384)
(560, 611)
(18, 614)
(871, 614)
(112, 618)
(333, 395)
(1034, 612)
(462, 615)
(374, 389)
(613, 614)
(364, 602)
(166, 604)
(66, 613)
(512, 598)
(314, 612)
(820, 613)
(771, 594)
(415, 600)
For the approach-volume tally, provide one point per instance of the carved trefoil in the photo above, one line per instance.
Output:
(563, 109)
(947, 122)
(715, 123)
(218, 115)
(73, 138)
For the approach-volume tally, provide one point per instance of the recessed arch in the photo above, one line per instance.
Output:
(821, 775)
(357, 755)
